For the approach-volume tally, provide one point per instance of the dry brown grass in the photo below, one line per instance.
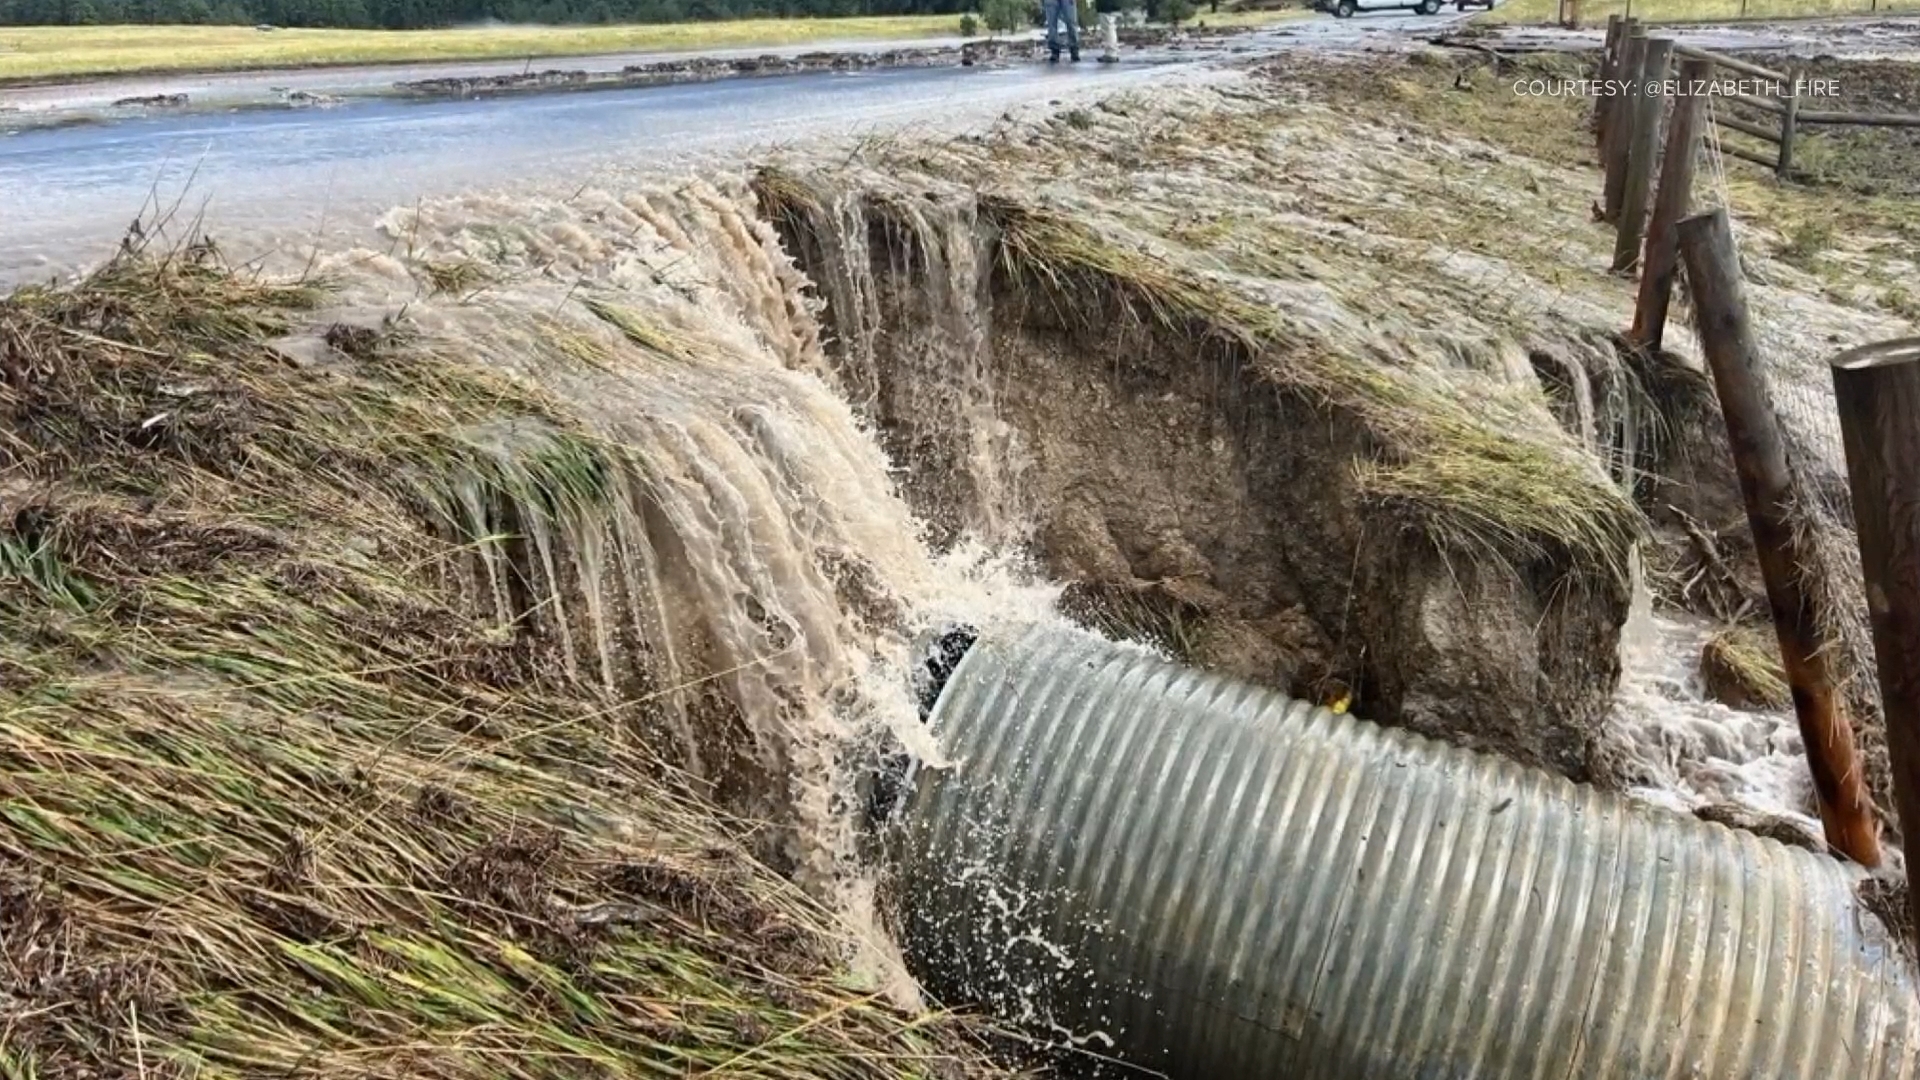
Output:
(275, 801)
(1741, 667)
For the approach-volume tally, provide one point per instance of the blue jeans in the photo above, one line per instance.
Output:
(1057, 12)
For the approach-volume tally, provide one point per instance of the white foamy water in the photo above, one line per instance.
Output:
(1687, 751)
(748, 585)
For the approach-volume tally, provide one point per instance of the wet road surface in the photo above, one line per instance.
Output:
(276, 177)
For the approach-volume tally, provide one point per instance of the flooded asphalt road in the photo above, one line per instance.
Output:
(262, 180)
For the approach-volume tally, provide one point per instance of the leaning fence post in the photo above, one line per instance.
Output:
(1878, 391)
(1662, 257)
(1759, 457)
(1643, 148)
(1619, 127)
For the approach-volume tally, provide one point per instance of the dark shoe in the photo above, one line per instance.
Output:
(1053, 58)
(1076, 56)
(1109, 58)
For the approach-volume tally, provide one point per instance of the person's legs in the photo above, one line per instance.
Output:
(1109, 36)
(1050, 14)
(1070, 14)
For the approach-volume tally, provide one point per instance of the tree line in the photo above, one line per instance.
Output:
(422, 14)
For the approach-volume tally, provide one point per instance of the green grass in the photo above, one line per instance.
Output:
(1595, 12)
(277, 800)
(44, 52)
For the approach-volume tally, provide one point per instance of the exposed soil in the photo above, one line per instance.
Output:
(1197, 507)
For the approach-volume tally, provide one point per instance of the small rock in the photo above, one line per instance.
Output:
(1080, 544)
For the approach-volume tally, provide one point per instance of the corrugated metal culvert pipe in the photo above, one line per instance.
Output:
(1207, 879)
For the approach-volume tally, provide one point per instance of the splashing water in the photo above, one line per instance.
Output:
(942, 384)
(1687, 751)
(729, 560)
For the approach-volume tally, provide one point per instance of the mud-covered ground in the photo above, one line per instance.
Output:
(1871, 160)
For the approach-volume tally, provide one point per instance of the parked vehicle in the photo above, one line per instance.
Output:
(1346, 8)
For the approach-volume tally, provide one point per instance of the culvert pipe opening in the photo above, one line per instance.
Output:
(937, 653)
(1208, 879)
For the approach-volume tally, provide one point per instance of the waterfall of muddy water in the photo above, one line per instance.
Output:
(944, 381)
(749, 584)
(1687, 751)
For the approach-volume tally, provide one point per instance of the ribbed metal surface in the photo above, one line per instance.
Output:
(1211, 880)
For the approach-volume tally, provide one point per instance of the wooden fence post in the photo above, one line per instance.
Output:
(1613, 154)
(1788, 121)
(1759, 457)
(1670, 205)
(1609, 63)
(1878, 390)
(1643, 149)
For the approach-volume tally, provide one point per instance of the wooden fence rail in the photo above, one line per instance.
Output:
(1785, 106)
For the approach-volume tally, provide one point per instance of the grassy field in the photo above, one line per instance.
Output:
(1596, 11)
(43, 52)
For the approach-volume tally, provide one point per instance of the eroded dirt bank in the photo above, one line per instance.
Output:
(1021, 365)
(1329, 394)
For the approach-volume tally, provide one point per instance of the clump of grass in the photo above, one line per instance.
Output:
(1740, 666)
(1805, 242)
(637, 329)
(1137, 613)
(1901, 302)
(455, 276)
(275, 800)
(1471, 476)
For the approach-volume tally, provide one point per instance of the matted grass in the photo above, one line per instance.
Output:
(1741, 667)
(275, 801)
(1595, 12)
(45, 52)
